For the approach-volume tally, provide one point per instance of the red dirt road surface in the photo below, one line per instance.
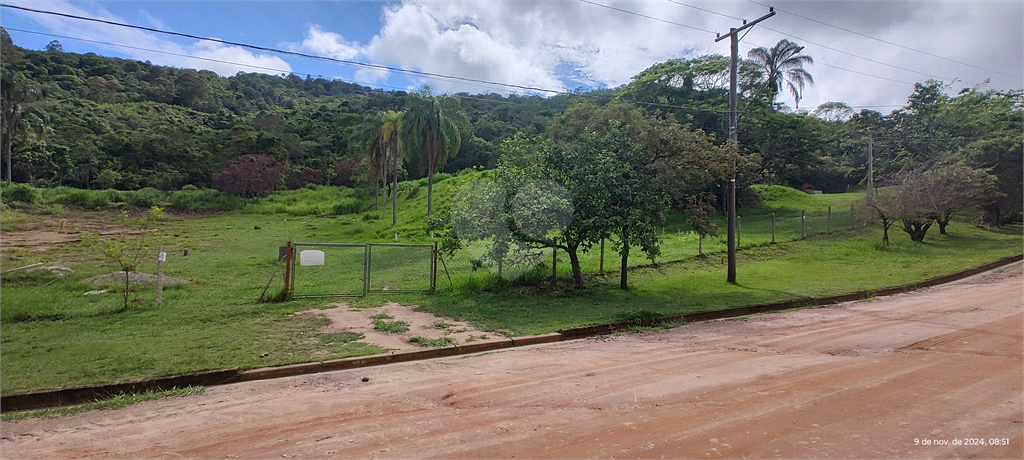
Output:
(933, 374)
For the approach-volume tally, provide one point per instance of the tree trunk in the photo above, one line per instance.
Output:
(7, 154)
(394, 191)
(574, 262)
(916, 229)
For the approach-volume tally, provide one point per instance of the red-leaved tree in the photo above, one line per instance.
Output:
(250, 176)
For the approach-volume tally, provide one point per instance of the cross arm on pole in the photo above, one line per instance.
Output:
(746, 25)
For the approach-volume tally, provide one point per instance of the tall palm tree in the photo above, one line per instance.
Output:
(430, 131)
(783, 65)
(368, 139)
(16, 95)
(392, 124)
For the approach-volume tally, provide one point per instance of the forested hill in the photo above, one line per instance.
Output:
(116, 123)
(93, 122)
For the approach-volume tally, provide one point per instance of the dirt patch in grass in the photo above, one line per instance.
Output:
(360, 320)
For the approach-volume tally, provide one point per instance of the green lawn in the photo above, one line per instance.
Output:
(53, 335)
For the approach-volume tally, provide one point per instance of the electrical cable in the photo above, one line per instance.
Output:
(470, 81)
(645, 16)
(886, 41)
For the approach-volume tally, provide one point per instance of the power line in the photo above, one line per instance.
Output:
(290, 53)
(889, 42)
(646, 16)
(826, 47)
(439, 76)
(705, 10)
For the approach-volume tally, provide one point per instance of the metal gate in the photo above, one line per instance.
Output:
(353, 270)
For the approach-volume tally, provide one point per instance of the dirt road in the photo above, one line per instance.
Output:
(923, 375)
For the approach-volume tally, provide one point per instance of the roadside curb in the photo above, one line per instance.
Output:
(90, 393)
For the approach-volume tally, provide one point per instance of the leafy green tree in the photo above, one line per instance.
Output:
(629, 202)
(430, 131)
(783, 67)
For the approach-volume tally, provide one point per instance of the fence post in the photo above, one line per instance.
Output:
(700, 245)
(160, 258)
(601, 267)
(803, 224)
(554, 263)
(367, 255)
(828, 221)
(739, 221)
(773, 228)
(288, 271)
(433, 270)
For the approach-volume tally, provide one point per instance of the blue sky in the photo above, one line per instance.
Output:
(867, 53)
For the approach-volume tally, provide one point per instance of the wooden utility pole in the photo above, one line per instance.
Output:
(734, 135)
(871, 170)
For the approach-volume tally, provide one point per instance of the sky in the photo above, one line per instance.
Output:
(867, 54)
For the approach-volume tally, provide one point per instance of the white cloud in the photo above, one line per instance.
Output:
(229, 60)
(223, 59)
(329, 44)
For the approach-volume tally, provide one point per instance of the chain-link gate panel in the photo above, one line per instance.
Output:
(328, 270)
(400, 267)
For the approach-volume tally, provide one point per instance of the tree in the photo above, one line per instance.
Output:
(633, 204)
(18, 115)
(126, 251)
(701, 220)
(250, 176)
(430, 131)
(369, 139)
(783, 66)
(392, 144)
(950, 189)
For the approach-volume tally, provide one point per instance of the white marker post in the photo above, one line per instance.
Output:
(161, 258)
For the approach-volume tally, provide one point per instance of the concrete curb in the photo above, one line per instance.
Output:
(89, 393)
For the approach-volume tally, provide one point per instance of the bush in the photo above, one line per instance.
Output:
(343, 171)
(145, 198)
(20, 193)
(189, 198)
(301, 177)
(346, 206)
(250, 176)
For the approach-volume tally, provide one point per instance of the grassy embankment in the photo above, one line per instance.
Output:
(54, 335)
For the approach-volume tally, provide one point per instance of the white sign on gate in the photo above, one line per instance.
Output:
(311, 257)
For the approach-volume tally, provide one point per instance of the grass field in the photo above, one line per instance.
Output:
(54, 335)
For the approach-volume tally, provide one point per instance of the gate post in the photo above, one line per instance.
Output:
(288, 271)
(433, 270)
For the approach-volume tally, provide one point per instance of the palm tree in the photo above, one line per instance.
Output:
(17, 115)
(430, 130)
(391, 143)
(367, 137)
(783, 65)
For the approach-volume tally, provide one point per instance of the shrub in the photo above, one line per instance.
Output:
(343, 171)
(20, 193)
(145, 198)
(250, 176)
(346, 206)
(301, 177)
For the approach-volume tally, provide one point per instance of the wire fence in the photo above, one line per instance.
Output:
(348, 270)
(677, 243)
(353, 270)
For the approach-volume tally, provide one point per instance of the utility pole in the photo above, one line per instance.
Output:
(734, 135)
(871, 170)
